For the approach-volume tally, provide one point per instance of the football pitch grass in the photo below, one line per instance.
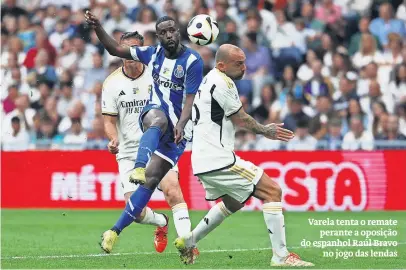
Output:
(69, 239)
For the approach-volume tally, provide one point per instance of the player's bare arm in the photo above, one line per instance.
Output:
(111, 45)
(184, 117)
(271, 131)
(110, 128)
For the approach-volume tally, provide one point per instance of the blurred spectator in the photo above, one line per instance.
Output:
(258, 64)
(41, 42)
(76, 137)
(42, 68)
(393, 132)
(150, 38)
(333, 139)
(76, 111)
(9, 7)
(222, 19)
(59, 35)
(346, 91)
(66, 100)
(45, 137)
(50, 112)
(16, 140)
(328, 12)
(354, 109)
(25, 32)
(317, 85)
(375, 94)
(96, 139)
(295, 114)
(380, 116)
(23, 111)
(401, 12)
(302, 141)
(262, 112)
(146, 20)
(45, 88)
(355, 41)
(386, 24)
(324, 113)
(397, 86)
(96, 74)
(358, 138)
(368, 52)
(117, 20)
(9, 101)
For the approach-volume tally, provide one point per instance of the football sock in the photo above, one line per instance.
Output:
(133, 208)
(181, 219)
(214, 218)
(148, 144)
(153, 218)
(275, 222)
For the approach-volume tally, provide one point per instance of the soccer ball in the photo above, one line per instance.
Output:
(202, 29)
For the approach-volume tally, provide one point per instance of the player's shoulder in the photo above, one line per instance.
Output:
(115, 75)
(192, 56)
(220, 79)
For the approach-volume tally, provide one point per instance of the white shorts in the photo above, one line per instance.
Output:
(237, 181)
(125, 167)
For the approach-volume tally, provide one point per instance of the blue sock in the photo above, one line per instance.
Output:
(148, 144)
(133, 209)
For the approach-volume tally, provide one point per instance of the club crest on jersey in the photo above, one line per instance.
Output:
(179, 72)
(135, 90)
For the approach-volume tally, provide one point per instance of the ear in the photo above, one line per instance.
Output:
(221, 66)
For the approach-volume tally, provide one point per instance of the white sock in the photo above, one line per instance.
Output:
(153, 218)
(181, 219)
(214, 218)
(275, 222)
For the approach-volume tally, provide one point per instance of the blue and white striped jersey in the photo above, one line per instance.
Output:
(173, 78)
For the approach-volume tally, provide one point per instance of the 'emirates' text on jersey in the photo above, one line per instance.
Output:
(213, 132)
(125, 98)
(173, 78)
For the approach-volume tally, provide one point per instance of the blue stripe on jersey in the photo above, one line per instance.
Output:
(170, 83)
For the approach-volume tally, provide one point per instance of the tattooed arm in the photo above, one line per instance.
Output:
(271, 131)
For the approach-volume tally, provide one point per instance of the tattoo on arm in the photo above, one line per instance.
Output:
(249, 123)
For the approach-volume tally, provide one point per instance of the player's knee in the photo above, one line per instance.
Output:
(274, 191)
(153, 178)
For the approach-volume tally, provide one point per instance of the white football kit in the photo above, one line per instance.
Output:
(125, 98)
(213, 159)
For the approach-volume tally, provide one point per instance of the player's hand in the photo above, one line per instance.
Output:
(91, 19)
(178, 133)
(277, 132)
(113, 146)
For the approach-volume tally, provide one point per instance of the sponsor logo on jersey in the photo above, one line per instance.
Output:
(134, 106)
(179, 72)
(122, 93)
(167, 83)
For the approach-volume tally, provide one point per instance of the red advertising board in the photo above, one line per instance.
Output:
(319, 181)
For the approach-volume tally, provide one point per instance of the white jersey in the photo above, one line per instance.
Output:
(213, 133)
(125, 98)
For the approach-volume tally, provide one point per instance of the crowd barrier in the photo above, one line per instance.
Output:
(311, 181)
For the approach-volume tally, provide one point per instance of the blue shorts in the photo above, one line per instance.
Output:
(167, 148)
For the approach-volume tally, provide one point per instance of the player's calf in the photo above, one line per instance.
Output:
(270, 193)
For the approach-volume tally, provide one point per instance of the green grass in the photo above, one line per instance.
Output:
(240, 242)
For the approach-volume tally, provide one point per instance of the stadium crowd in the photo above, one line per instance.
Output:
(333, 71)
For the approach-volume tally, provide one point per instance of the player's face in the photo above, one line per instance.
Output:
(130, 42)
(235, 67)
(168, 35)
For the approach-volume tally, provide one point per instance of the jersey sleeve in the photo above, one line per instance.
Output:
(227, 97)
(142, 54)
(109, 101)
(194, 76)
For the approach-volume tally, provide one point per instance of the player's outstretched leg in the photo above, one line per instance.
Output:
(155, 124)
(156, 171)
(212, 220)
(270, 193)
